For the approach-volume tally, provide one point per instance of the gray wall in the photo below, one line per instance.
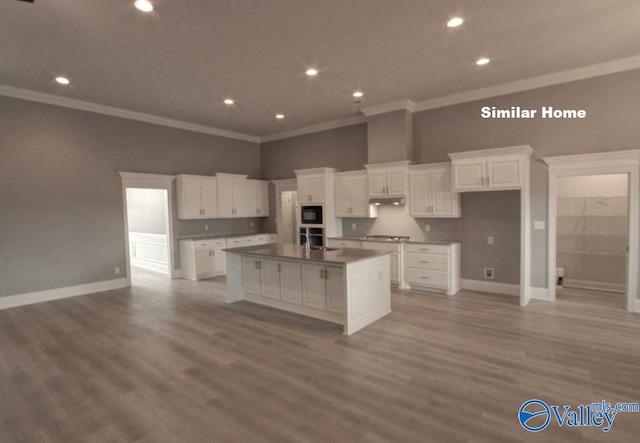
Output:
(612, 119)
(61, 214)
(390, 137)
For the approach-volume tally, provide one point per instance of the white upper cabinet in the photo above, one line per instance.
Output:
(197, 196)
(490, 169)
(430, 194)
(388, 179)
(231, 195)
(352, 195)
(257, 198)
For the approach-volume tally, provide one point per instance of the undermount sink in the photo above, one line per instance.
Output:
(322, 248)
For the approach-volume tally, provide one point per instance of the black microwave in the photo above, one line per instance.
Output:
(311, 215)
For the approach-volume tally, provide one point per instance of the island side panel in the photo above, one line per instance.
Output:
(368, 293)
(235, 289)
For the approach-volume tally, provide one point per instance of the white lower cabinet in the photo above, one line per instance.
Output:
(395, 259)
(433, 266)
(202, 258)
(323, 288)
(272, 279)
(343, 243)
(252, 281)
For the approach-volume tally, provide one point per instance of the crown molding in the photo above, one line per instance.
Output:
(315, 128)
(626, 158)
(399, 105)
(612, 67)
(41, 97)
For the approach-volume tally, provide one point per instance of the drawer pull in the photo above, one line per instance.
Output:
(425, 262)
(424, 249)
(425, 278)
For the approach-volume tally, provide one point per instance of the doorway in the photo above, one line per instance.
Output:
(592, 237)
(289, 205)
(148, 221)
(147, 224)
(610, 163)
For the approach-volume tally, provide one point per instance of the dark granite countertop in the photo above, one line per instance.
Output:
(296, 252)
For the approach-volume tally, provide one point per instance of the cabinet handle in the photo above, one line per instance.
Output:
(425, 278)
(213, 253)
(482, 181)
(488, 182)
(425, 262)
(424, 249)
(321, 274)
(278, 267)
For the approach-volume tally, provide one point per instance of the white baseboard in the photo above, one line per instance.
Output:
(595, 285)
(637, 305)
(12, 301)
(539, 293)
(485, 286)
(162, 268)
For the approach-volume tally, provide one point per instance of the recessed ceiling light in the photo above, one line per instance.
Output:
(358, 94)
(311, 72)
(455, 22)
(228, 101)
(144, 5)
(482, 61)
(63, 80)
(279, 116)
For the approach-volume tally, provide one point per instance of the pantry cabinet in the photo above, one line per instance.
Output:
(490, 169)
(430, 194)
(196, 197)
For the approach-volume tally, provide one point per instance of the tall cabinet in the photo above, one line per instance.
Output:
(256, 198)
(316, 187)
(352, 195)
(231, 195)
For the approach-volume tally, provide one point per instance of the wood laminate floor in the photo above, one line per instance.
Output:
(167, 361)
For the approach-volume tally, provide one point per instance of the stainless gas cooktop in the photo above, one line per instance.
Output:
(388, 237)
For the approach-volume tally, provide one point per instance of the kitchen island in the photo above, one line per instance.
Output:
(341, 285)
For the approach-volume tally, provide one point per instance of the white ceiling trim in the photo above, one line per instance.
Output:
(358, 119)
(612, 67)
(81, 105)
(406, 104)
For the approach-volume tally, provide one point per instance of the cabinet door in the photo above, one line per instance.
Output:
(444, 202)
(360, 196)
(343, 197)
(189, 198)
(468, 174)
(396, 183)
(377, 184)
(251, 275)
(290, 283)
(238, 190)
(419, 194)
(202, 262)
(263, 199)
(270, 279)
(225, 197)
(209, 197)
(335, 289)
(394, 268)
(218, 262)
(252, 194)
(316, 188)
(313, 287)
(304, 192)
(379, 290)
(504, 173)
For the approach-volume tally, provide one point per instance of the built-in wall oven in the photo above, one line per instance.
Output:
(316, 236)
(311, 215)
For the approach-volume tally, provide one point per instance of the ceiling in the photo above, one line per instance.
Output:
(181, 60)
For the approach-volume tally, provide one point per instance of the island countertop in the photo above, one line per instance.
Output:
(297, 252)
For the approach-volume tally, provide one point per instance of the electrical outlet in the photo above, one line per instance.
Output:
(206, 227)
(353, 225)
(116, 270)
(427, 228)
(490, 239)
(488, 272)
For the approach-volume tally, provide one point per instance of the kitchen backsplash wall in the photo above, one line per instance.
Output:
(484, 214)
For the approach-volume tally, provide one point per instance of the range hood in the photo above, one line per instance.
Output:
(395, 201)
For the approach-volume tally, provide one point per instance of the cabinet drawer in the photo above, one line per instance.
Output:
(202, 244)
(338, 243)
(426, 261)
(382, 246)
(218, 243)
(431, 249)
(427, 278)
(235, 242)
